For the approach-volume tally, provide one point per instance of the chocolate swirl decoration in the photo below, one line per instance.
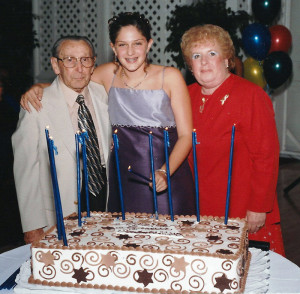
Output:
(66, 266)
(103, 271)
(131, 259)
(48, 272)
(90, 276)
(150, 247)
(202, 244)
(220, 227)
(147, 262)
(121, 270)
(182, 241)
(77, 257)
(197, 283)
(74, 240)
(97, 234)
(92, 258)
(114, 254)
(213, 231)
(107, 244)
(175, 247)
(200, 250)
(199, 267)
(233, 246)
(227, 265)
(57, 254)
(91, 243)
(160, 275)
(176, 286)
(140, 236)
(167, 260)
(205, 223)
(234, 284)
(234, 239)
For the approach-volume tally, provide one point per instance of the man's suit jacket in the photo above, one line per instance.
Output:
(31, 160)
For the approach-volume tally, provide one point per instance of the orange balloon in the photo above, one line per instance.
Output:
(281, 38)
(253, 72)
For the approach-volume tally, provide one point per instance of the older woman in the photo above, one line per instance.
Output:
(220, 100)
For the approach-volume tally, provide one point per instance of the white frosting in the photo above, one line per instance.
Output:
(143, 253)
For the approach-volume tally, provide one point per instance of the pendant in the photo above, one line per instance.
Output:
(201, 109)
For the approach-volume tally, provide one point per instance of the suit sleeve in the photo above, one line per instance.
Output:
(25, 142)
(260, 134)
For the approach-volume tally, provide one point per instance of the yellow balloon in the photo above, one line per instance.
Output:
(253, 72)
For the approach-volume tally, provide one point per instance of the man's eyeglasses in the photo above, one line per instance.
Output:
(72, 61)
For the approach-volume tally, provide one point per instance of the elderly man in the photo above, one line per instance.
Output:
(71, 102)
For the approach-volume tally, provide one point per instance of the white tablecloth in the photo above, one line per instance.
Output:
(268, 272)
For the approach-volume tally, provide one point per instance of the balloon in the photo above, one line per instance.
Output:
(253, 72)
(256, 40)
(281, 38)
(265, 11)
(277, 68)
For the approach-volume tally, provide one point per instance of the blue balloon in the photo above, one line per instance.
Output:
(256, 40)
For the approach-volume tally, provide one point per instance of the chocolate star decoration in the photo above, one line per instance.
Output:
(77, 233)
(144, 277)
(233, 227)
(80, 275)
(123, 237)
(108, 228)
(108, 260)
(224, 251)
(223, 283)
(179, 264)
(213, 238)
(132, 245)
(164, 242)
(47, 258)
(187, 223)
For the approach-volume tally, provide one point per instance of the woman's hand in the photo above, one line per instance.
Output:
(256, 220)
(34, 96)
(160, 180)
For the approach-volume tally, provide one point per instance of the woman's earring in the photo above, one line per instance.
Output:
(116, 59)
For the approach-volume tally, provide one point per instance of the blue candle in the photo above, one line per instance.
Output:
(229, 174)
(84, 136)
(196, 174)
(153, 175)
(57, 195)
(51, 160)
(167, 144)
(116, 148)
(78, 178)
(138, 174)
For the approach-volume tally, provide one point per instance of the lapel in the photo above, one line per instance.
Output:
(59, 117)
(100, 101)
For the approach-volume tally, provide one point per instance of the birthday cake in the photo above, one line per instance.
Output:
(145, 255)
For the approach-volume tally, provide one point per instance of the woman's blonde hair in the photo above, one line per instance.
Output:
(200, 35)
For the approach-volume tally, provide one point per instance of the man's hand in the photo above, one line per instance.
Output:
(34, 235)
(256, 220)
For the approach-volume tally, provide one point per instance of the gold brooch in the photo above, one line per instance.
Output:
(202, 105)
(224, 99)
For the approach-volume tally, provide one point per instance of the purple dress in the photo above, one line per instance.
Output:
(134, 113)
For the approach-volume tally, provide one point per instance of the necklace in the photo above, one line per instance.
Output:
(132, 87)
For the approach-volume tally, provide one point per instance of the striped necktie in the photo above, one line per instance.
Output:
(96, 174)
